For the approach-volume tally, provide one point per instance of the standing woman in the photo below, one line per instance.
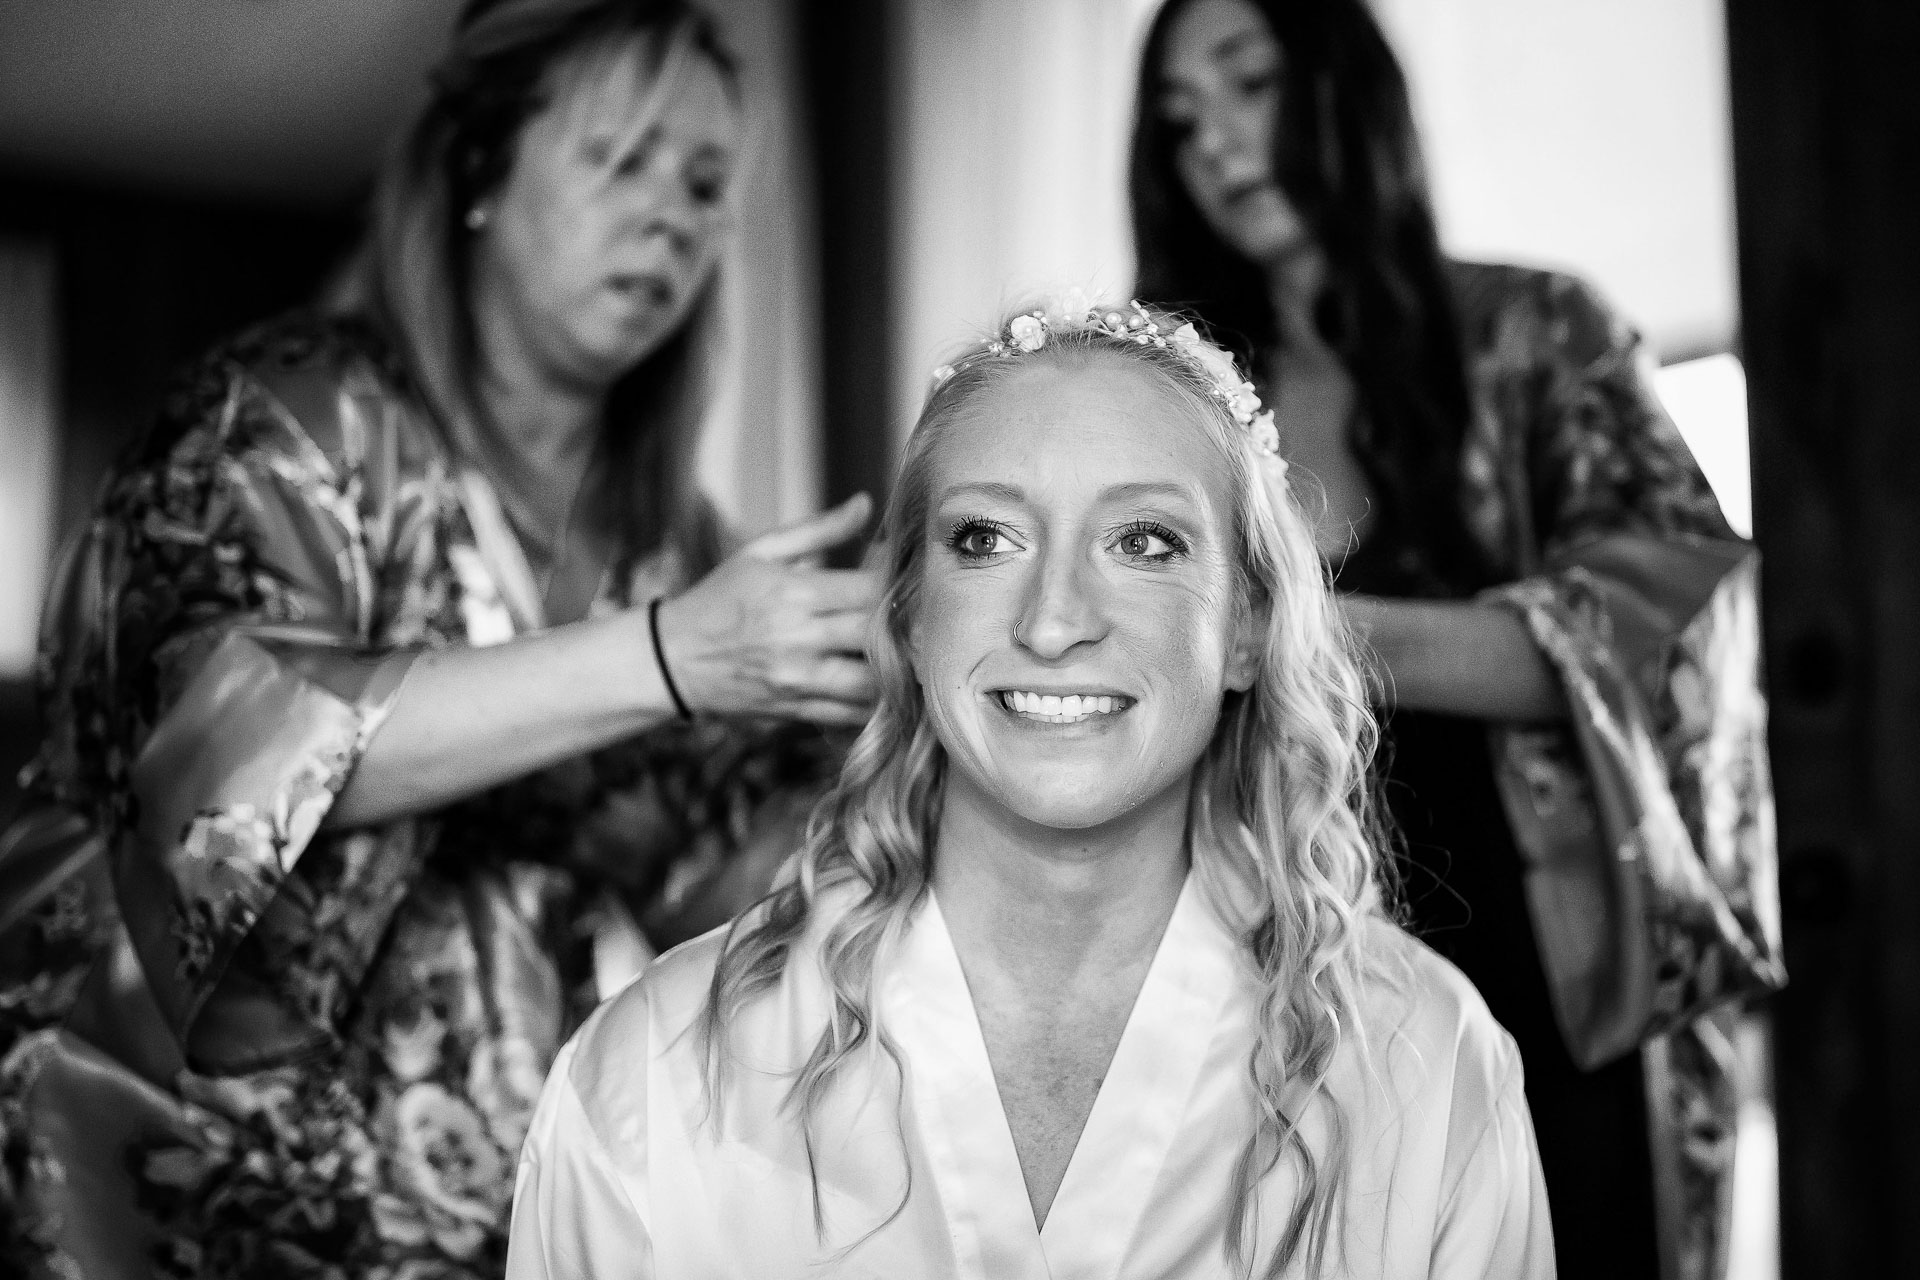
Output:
(1561, 621)
(400, 660)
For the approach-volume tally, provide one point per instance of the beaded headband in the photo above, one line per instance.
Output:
(1030, 330)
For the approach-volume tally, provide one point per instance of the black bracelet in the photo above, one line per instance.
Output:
(660, 658)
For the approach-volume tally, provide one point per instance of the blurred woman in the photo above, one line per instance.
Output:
(402, 663)
(1526, 544)
(1083, 968)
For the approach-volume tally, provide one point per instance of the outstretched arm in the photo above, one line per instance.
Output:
(1458, 657)
(765, 634)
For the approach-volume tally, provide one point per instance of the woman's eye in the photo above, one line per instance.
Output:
(634, 161)
(979, 541)
(1152, 543)
(628, 161)
(707, 182)
(1259, 83)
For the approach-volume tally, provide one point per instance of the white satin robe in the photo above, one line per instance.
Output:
(623, 1174)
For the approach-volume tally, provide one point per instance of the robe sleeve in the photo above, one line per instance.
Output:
(572, 1212)
(1646, 821)
(212, 681)
(1494, 1224)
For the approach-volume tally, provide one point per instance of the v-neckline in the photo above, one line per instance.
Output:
(1136, 1114)
(572, 585)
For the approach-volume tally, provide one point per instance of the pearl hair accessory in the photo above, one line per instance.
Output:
(476, 217)
(1029, 332)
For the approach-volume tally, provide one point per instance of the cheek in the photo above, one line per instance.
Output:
(536, 233)
(954, 621)
(1183, 636)
(1197, 176)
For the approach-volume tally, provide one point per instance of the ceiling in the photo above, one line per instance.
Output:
(285, 100)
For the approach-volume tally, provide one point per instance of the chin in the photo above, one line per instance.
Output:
(1267, 233)
(1070, 812)
(1071, 796)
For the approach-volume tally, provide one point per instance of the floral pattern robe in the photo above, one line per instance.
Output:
(240, 1042)
(1645, 824)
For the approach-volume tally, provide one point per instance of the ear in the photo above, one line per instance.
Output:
(1247, 647)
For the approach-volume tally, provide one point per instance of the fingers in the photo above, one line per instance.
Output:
(812, 536)
(833, 713)
(840, 632)
(842, 590)
(838, 679)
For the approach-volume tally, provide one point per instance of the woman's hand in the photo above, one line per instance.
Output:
(766, 633)
(771, 633)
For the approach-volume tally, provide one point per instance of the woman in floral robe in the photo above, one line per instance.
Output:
(1564, 627)
(401, 696)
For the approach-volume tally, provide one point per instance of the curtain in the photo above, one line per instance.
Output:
(1010, 164)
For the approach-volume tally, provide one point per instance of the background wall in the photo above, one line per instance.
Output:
(1593, 137)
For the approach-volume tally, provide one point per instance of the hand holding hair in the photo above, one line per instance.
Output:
(769, 632)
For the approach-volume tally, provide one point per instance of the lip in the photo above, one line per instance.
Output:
(1241, 192)
(1084, 709)
(651, 287)
(1059, 689)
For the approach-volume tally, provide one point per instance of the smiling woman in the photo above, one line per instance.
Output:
(1094, 911)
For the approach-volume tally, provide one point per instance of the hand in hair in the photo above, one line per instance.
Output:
(765, 634)
(769, 632)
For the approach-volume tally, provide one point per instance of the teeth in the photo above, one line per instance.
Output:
(1060, 709)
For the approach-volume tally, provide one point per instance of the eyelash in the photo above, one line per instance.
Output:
(706, 181)
(957, 535)
(1182, 125)
(1176, 545)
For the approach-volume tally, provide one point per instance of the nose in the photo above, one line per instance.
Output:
(661, 204)
(673, 221)
(1063, 608)
(1215, 137)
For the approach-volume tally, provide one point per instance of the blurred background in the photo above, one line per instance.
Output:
(173, 169)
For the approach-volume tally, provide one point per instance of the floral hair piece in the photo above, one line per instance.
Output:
(1030, 330)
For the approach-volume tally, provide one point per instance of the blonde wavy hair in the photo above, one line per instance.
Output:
(1280, 822)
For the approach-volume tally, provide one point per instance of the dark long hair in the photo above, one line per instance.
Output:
(413, 274)
(1348, 159)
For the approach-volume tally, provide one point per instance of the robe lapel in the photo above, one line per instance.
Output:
(929, 1012)
(1145, 1096)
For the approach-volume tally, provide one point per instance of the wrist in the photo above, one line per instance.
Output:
(623, 667)
(676, 695)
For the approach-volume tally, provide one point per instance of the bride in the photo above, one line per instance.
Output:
(1086, 967)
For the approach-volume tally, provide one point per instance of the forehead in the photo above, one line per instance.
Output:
(616, 86)
(1070, 430)
(1208, 32)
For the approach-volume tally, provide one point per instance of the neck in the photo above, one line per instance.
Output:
(1054, 900)
(543, 420)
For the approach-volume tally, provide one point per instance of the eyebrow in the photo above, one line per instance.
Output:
(1139, 489)
(1227, 46)
(1133, 490)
